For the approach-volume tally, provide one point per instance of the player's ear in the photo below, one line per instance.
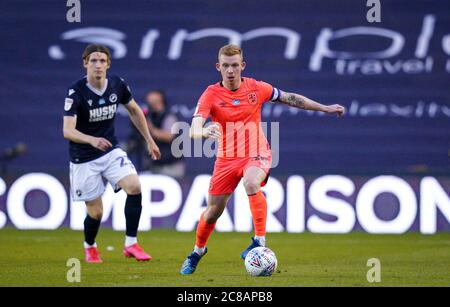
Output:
(243, 65)
(218, 66)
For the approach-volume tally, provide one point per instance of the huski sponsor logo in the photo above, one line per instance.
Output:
(103, 113)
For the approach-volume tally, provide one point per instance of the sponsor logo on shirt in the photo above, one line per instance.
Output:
(103, 113)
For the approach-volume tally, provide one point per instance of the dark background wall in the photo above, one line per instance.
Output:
(399, 106)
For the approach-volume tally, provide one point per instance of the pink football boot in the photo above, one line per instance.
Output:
(135, 251)
(92, 255)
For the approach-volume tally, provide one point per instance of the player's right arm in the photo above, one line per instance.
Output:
(197, 130)
(71, 133)
(202, 112)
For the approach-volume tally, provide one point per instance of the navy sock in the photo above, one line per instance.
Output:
(91, 227)
(133, 208)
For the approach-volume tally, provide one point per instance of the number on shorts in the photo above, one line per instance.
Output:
(123, 161)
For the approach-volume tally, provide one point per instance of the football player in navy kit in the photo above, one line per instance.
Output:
(89, 113)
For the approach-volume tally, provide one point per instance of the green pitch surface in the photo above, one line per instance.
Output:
(38, 258)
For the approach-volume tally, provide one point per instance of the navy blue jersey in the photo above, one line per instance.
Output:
(95, 113)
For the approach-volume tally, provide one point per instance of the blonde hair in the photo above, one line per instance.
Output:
(230, 50)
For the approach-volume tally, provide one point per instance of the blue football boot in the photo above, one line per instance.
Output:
(255, 243)
(190, 264)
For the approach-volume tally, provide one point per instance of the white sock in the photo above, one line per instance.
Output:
(89, 246)
(199, 250)
(261, 240)
(130, 241)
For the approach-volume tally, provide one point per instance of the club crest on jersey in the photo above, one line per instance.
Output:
(236, 102)
(101, 101)
(113, 97)
(252, 98)
(68, 104)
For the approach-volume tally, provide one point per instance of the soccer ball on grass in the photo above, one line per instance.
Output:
(261, 261)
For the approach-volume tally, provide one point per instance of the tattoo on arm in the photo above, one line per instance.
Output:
(291, 99)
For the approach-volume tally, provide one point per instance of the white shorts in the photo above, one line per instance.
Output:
(86, 179)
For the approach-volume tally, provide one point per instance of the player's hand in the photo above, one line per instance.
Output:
(100, 143)
(212, 131)
(154, 152)
(336, 109)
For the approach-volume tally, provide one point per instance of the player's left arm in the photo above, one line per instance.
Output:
(139, 121)
(302, 102)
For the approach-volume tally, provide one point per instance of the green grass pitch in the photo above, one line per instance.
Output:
(38, 258)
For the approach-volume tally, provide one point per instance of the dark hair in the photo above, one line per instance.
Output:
(96, 48)
(160, 92)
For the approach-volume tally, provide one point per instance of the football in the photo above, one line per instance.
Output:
(261, 261)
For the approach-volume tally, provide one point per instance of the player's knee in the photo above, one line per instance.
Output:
(96, 214)
(133, 188)
(251, 185)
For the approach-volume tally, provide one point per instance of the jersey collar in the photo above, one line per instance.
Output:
(221, 85)
(96, 91)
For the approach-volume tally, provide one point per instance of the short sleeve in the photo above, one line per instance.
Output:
(71, 102)
(126, 92)
(204, 105)
(269, 93)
